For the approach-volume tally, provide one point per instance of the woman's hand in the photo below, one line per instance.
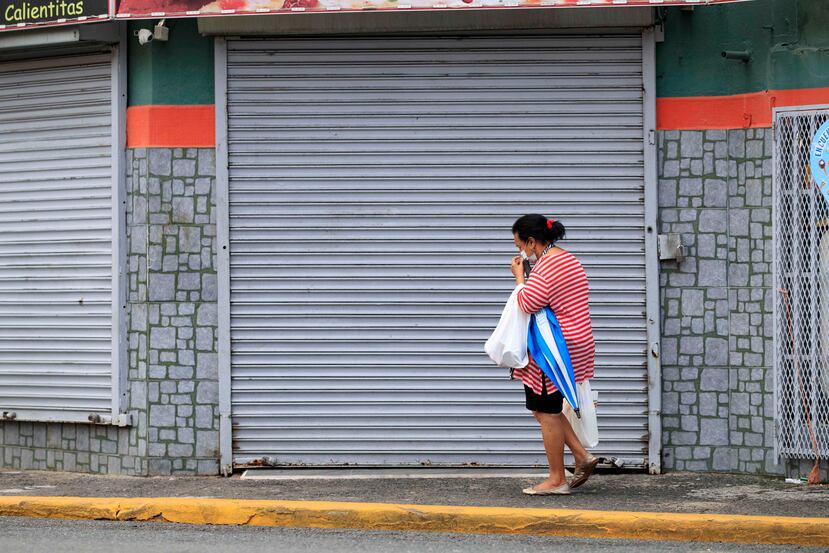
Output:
(518, 269)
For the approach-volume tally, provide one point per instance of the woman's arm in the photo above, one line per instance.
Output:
(534, 295)
(536, 291)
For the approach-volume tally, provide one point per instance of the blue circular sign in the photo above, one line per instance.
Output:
(819, 159)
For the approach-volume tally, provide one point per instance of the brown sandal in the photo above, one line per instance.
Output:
(583, 471)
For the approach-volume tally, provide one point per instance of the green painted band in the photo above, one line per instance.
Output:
(787, 40)
(177, 72)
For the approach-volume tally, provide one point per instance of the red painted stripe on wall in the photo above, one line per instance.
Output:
(741, 111)
(171, 127)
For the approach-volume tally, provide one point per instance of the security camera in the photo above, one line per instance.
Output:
(145, 36)
(160, 32)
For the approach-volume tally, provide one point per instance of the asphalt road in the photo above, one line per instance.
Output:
(22, 535)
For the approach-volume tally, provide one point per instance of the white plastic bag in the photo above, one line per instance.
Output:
(508, 344)
(586, 427)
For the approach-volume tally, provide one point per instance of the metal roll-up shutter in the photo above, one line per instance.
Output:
(372, 187)
(56, 237)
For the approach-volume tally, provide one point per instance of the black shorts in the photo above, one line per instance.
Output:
(544, 403)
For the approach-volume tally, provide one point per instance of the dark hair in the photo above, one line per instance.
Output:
(539, 227)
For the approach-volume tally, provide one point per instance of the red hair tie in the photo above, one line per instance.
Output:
(550, 223)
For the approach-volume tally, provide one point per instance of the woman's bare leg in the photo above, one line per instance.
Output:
(552, 432)
(580, 454)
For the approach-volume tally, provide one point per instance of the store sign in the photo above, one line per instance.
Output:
(142, 9)
(19, 14)
(26, 13)
(819, 159)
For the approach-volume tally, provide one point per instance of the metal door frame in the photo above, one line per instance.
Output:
(223, 245)
(653, 309)
(120, 358)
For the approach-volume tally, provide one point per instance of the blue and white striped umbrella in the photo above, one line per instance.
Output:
(549, 350)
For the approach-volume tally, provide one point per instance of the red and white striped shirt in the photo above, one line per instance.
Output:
(559, 281)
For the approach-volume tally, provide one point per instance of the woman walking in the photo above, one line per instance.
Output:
(557, 280)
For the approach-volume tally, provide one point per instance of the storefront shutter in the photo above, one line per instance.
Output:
(372, 187)
(56, 237)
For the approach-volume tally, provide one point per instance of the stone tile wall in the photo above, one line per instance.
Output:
(70, 447)
(715, 189)
(171, 229)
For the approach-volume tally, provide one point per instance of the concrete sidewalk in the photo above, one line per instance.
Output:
(683, 507)
(671, 493)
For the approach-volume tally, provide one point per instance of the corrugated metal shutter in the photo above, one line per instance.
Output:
(373, 184)
(56, 237)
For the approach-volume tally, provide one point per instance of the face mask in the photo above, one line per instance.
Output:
(531, 258)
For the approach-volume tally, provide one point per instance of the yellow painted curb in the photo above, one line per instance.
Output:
(432, 518)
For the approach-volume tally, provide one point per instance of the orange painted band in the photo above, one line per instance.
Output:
(171, 127)
(740, 111)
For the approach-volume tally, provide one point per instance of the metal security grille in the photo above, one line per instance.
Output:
(372, 187)
(801, 273)
(56, 237)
